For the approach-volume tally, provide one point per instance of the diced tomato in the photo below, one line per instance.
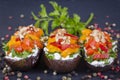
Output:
(28, 42)
(38, 43)
(74, 46)
(73, 36)
(101, 56)
(104, 56)
(97, 56)
(18, 39)
(90, 51)
(104, 48)
(52, 36)
(65, 46)
(18, 49)
(56, 44)
(109, 44)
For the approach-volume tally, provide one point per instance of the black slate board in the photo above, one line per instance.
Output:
(102, 9)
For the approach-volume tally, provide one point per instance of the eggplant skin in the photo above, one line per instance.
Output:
(62, 66)
(105, 68)
(23, 64)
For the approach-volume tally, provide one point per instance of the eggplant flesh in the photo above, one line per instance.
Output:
(62, 65)
(23, 64)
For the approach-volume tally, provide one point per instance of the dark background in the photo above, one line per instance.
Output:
(14, 8)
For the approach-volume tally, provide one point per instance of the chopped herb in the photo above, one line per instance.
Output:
(50, 56)
(5, 47)
(23, 54)
(89, 59)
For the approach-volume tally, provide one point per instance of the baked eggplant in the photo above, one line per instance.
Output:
(99, 49)
(62, 53)
(23, 49)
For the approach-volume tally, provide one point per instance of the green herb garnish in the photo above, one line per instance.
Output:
(59, 17)
(5, 47)
(50, 56)
(23, 54)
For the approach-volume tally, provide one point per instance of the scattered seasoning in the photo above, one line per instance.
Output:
(38, 78)
(8, 69)
(7, 35)
(64, 78)
(4, 70)
(89, 76)
(118, 62)
(118, 35)
(9, 28)
(6, 78)
(10, 17)
(18, 78)
(105, 77)
(102, 76)
(107, 16)
(12, 73)
(85, 77)
(54, 73)
(69, 75)
(99, 73)
(106, 23)
(69, 78)
(22, 16)
(26, 77)
(113, 24)
(2, 38)
(109, 28)
(45, 71)
(19, 74)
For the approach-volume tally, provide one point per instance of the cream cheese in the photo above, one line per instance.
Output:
(102, 63)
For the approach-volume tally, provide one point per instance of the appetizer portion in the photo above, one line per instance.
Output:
(23, 49)
(62, 53)
(99, 49)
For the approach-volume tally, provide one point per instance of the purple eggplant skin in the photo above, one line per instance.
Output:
(105, 68)
(23, 64)
(62, 66)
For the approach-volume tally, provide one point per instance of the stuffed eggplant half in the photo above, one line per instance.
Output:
(62, 53)
(99, 48)
(23, 49)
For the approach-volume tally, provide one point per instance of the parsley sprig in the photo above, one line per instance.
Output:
(59, 17)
